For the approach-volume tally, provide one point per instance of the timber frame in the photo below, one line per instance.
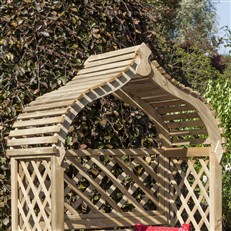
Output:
(184, 172)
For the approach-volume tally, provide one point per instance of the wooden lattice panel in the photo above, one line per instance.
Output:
(34, 194)
(190, 192)
(112, 184)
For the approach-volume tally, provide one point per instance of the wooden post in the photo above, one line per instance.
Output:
(57, 195)
(164, 181)
(215, 194)
(14, 194)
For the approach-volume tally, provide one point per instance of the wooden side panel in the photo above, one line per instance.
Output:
(122, 183)
(190, 192)
(33, 208)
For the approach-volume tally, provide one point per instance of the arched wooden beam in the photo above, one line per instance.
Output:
(179, 114)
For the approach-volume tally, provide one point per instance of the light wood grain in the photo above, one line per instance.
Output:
(57, 195)
(41, 114)
(107, 66)
(38, 122)
(34, 140)
(35, 131)
(30, 152)
(115, 220)
(110, 60)
(111, 54)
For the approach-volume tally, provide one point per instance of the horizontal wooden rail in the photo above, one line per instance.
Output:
(167, 152)
(111, 220)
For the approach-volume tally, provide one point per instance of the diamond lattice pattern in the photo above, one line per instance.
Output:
(190, 192)
(34, 177)
(107, 184)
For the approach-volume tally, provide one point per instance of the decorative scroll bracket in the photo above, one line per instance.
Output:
(144, 67)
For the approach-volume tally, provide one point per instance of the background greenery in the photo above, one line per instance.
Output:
(44, 43)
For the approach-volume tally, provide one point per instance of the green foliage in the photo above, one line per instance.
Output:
(165, 15)
(195, 22)
(44, 43)
(219, 94)
(110, 123)
(195, 67)
(189, 64)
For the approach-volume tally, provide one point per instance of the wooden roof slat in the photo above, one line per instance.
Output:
(191, 141)
(109, 66)
(83, 85)
(175, 109)
(152, 92)
(111, 54)
(111, 60)
(54, 94)
(164, 104)
(154, 96)
(34, 140)
(139, 87)
(83, 79)
(159, 98)
(57, 99)
(37, 122)
(183, 124)
(31, 151)
(188, 132)
(63, 92)
(34, 131)
(112, 71)
(39, 114)
(181, 116)
(48, 106)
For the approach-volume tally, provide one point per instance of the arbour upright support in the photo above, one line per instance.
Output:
(215, 194)
(57, 195)
(14, 193)
(117, 187)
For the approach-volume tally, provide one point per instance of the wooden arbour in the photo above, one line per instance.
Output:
(184, 173)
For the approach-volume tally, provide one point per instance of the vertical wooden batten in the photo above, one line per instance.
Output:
(57, 195)
(215, 191)
(14, 194)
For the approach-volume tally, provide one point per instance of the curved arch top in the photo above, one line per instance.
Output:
(180, 115)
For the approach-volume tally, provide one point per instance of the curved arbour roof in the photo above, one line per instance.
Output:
(181, 116)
